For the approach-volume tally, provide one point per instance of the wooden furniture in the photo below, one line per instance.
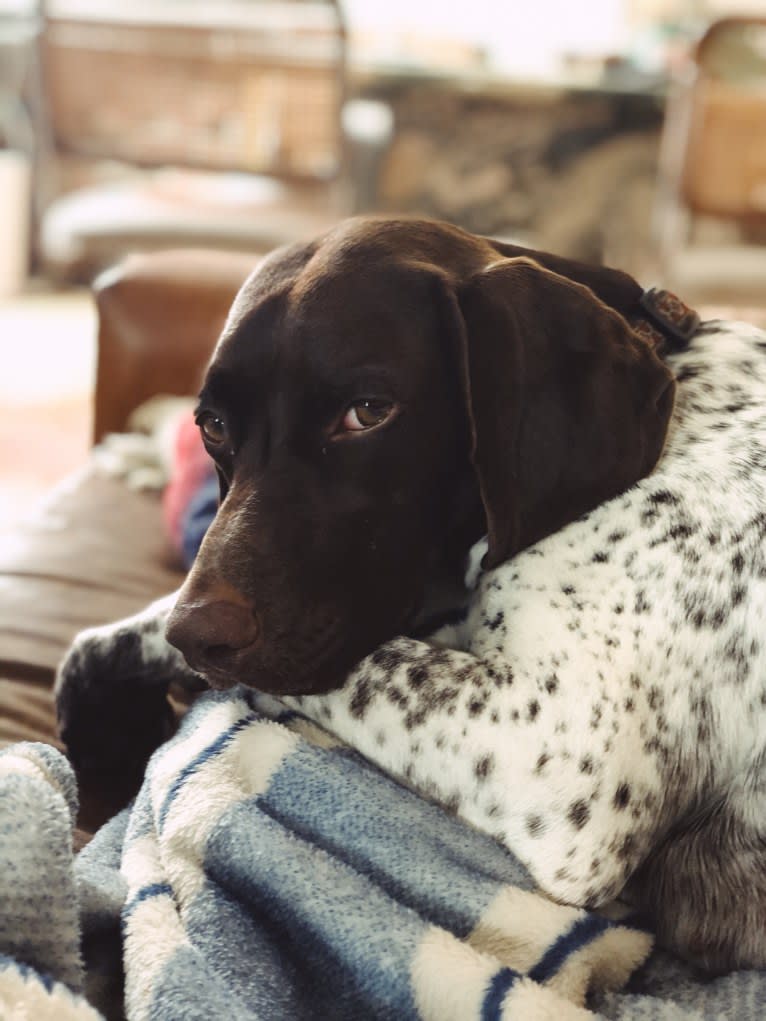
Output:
(229, 86)
(207, 89)
(713, 165)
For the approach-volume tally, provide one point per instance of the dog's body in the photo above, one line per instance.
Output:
(601, 707)
(611, 710)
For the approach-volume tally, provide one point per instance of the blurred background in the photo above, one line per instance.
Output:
(631, 132)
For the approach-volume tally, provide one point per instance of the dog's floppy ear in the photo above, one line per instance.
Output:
(567, 406)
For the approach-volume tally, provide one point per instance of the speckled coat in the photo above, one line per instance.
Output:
(605, 716)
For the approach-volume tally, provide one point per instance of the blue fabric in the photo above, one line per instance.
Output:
(498, 989)
(263, 874)
(195, 520)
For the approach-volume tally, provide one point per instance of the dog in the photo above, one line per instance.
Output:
(493, 518)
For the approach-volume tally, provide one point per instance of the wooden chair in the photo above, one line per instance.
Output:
(710, 217)
(228, 115)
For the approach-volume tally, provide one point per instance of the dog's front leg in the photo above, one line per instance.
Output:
(488, 742)
(111, 690)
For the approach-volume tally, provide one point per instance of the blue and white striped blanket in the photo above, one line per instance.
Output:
(267, 872)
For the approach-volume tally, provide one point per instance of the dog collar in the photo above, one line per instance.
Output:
(664, 320)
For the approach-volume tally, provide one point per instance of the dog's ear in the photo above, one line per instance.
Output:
(567, 406)
(617, 289)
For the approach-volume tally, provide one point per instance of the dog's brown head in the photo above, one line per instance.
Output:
(379, 399)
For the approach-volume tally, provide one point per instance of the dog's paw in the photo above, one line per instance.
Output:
(111, 707)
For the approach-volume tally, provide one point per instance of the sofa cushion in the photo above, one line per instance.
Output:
(94, 552)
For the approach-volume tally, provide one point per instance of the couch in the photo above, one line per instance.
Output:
(96, 550)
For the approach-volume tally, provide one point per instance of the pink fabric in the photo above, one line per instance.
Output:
(191, 468)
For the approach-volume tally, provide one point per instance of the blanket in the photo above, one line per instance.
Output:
(265, 871)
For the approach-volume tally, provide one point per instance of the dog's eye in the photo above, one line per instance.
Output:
(213, 428)
(366, 414)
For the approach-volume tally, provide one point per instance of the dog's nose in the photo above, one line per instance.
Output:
(210, 634)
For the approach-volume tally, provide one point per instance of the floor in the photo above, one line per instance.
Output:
(47, 351)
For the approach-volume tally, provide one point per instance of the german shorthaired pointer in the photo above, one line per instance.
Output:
(477, 522)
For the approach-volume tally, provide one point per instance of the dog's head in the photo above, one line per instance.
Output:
(379, 399)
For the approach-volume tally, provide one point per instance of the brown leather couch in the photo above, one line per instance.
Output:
(96, 551)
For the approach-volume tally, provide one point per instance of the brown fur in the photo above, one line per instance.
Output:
(523, 400)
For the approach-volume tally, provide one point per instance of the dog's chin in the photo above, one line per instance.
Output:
(277, 682)
(221, 680)
(312, 672)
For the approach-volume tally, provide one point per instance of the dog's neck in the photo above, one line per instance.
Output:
(445, 602)
(445, 594)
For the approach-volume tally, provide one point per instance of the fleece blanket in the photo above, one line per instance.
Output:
(267, 872)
